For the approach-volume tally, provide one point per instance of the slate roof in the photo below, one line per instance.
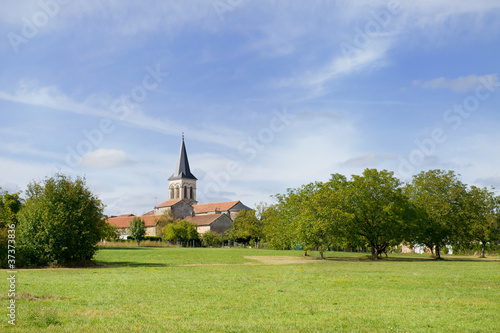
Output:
(211, 207)
(204, 219)
(182, 171)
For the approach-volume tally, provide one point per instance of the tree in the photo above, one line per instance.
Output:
(276, 227)
(60, 224)
(10, 205)
(166, 219)
(211, 238)
(379, 209)
(440, 199)
(246, 227)
(137, 229)
(182, 231)
(482, 208)
(291, 228)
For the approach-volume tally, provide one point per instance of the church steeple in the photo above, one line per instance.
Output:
(182, 183)
(182, 170)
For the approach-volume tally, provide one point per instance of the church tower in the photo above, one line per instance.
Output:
(182, 184)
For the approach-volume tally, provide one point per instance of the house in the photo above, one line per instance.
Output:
(219, 223)
(230, 208)
(179, 208)
(182, 204)
(122, 222)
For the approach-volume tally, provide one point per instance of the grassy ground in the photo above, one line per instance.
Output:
(244, 290)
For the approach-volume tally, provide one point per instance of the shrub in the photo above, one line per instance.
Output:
(60, 224)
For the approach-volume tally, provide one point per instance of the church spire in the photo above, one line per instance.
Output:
(182, 171)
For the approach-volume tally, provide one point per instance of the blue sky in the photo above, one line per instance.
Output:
(269, 94)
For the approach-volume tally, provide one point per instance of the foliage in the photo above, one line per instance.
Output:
(482, 209)
(440, 199)
(276, 229)
(110, 232)
(137, 229)
(211, 239)
(379, 209)
(60, 224)
(166, 219)
(10, 205)
(182, 231)
(246, 227)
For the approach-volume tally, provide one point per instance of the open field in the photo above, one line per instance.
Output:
(245, 290)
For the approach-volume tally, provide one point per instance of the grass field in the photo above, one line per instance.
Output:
(245, 290)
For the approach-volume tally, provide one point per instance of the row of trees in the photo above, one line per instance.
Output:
(377, 210)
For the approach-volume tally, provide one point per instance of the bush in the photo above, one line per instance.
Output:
(60, 224)
(211, 238)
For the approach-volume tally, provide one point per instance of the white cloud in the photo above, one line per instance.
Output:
(461, 84)
(30, 93)
(105, 159)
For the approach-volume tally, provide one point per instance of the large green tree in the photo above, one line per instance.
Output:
(482, 209)
(440, 198)
(60, 224)
(290, 227)
(246, 227)
(137, 230)
(380, 211)
(182, 231)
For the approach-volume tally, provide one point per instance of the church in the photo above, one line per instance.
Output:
(182, 204)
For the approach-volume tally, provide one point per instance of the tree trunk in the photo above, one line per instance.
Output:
(438, 252)
(305, 253)
(483, 250)
(374, 253)
(321, 255)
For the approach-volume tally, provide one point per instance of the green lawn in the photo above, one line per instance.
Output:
(220, 290)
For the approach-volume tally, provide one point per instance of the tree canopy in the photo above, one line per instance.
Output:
(60, 224)
(376, 210)
(182, 231)
(137, 230)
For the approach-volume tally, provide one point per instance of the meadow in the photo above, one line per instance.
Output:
(248, 290)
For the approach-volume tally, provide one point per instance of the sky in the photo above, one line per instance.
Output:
(269, 94)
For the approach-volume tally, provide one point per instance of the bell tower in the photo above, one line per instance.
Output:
(182, 183)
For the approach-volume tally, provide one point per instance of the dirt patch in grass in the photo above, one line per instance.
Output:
(284, 260)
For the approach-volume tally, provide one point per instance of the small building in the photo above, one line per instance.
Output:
(122, 222)
(178, 208)
(219, 223)
(231, 208)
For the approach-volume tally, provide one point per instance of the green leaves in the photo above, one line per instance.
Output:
(61, 222)
(374, 209)
(137, 229)
(246, 227)
(181, 231)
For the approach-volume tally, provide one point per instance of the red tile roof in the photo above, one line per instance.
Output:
(123, 221)
(203, 219)
(211, 207)
(168, 203)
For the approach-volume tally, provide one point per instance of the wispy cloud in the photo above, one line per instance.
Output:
(105, 159)
(30, 93)
(461, 84)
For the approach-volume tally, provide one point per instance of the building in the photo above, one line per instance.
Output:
(182, 204)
